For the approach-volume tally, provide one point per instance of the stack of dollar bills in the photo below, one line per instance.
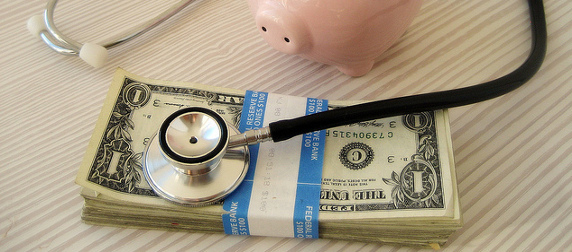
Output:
(390, 180)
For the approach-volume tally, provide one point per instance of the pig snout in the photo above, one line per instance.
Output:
(283, 31)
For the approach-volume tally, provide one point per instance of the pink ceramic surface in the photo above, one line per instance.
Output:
(349, 34)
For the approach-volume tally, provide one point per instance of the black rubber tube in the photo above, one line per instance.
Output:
(286, 129)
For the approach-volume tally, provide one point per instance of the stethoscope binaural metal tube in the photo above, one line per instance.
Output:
(44, 27)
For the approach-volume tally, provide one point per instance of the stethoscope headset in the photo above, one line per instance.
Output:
(196, 158)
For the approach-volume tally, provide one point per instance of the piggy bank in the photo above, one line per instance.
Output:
(348, 34)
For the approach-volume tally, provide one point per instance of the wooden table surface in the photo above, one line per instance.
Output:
(512, 153)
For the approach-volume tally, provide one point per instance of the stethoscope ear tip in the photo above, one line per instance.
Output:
(36, 25)
(93, 54)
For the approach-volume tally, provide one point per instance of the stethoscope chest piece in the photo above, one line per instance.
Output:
(187, 161)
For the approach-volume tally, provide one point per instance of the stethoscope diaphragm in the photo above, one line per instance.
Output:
(188, 162)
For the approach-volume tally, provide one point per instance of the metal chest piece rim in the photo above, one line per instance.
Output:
(187, 161)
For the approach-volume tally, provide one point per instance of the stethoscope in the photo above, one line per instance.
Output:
(196, 158)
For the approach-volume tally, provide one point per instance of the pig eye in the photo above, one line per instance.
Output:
(264, 29)
(287, 40)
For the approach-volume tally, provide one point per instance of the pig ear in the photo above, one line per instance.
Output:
(253, 6)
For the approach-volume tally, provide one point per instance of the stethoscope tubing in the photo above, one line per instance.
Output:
(286, 129)
(63, 44)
